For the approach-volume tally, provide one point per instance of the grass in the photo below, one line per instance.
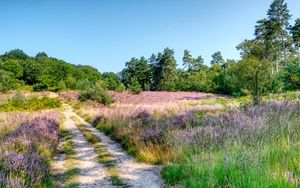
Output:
(104, 157)
(266, 157)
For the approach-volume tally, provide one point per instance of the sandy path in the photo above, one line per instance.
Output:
(136, 175)
(92, 174)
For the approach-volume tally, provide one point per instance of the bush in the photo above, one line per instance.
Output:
(18, 103)
(97, 93)
(40, 87)
(120, 88)
(135, 87)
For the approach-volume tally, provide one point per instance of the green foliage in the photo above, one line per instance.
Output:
(40, 87)
(13, 66)
(19, 103)
(113, 80)
(135, 87)
(291, 74)
(96, 93)
(254, 77)
(55, 74)
(121, 88)
(138, 68)
(7, 82)
(192, 64)
(296, 33)
(217, 58)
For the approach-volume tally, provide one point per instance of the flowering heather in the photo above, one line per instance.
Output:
(247, 126)
(25, 151)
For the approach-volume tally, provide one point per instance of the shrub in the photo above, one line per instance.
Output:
(40, 87)
(97, 93)
(32, 104)
(120, 88)
(25, 153)
(135, 87)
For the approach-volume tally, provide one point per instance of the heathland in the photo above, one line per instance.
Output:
(234, 123)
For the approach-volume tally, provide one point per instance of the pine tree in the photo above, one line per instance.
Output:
(217, 58)
(296, 34)
(279, 26)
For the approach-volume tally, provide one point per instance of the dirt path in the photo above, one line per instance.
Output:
(92, 174)
(136, 175)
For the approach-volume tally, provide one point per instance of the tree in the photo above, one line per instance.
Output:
(254, 77)
(14, 66)
(112, 79)
(192, 64)
(138, 68)
(291, 74)
(279, 17)
(41, 54)
(135, 86)
(32, 72)
(217, 58)
(188, 60)
(296, 34)
(16, 54)
(7, 81)
(166, 70)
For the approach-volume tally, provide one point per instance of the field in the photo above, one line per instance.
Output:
(199, 139)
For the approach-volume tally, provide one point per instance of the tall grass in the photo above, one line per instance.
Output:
(258, 147)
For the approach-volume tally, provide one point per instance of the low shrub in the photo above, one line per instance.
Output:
(40, 87)
(18, 103)
(97, 93)
(25, 153)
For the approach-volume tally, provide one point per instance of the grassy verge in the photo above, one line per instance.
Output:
(104, 156)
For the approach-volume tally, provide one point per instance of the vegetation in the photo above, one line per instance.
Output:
(20, 103)
(96, 93)
(26, 152)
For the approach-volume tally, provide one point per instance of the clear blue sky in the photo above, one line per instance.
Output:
(107, 33)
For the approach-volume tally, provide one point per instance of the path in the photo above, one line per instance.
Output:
(92, 174)
(135, 174)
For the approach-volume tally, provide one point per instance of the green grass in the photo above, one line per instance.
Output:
(270, 158)
(238, 167)
(31, 104)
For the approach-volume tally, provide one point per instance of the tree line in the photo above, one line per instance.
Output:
(269, 63)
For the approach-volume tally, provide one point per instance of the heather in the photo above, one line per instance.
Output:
(234, 145)
(255, 147)
(27, 150)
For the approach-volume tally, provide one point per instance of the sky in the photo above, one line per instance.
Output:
(107, 33)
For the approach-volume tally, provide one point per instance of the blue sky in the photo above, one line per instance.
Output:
(107, 33)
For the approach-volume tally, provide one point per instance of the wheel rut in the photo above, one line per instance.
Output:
(93, 174)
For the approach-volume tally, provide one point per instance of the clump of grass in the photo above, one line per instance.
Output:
(104, 156)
